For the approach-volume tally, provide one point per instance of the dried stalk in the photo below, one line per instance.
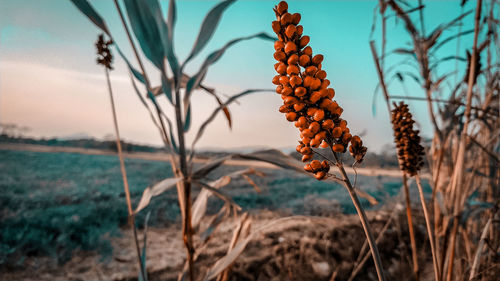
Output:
(406, 191)
(458, 173)
(364, 220)
(437, 271)
(124, 177)
(414, 252)
(477, 257)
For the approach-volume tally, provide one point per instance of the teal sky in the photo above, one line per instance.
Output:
(49, 80)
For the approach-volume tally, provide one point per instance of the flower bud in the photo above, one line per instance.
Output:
(280, 56)
(293, 59)
(317, 59)
(290, 31)
(282, 7)
(300, 91)
(304, 41)
(304, 60)
(295, 81)
(279, 45)
(290, 47)
(338, 148)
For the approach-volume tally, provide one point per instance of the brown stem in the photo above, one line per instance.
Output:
(459, 169)
(451, 258)
(124, 176)
(477, 257)
(413, 242)
(364, 220)
(437, 271)
(380, 76)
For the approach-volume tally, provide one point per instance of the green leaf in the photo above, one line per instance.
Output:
(85, 7)
(169, 44)
(187, 121)
(171, 18)
(201, 130)
(195, 81)
(166, 87)
(149, 28)
(208, 27)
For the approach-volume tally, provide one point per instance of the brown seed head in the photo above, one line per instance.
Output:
(407, 140)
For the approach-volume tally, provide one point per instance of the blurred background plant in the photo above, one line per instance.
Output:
(463, 106)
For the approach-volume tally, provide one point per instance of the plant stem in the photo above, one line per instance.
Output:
(479, 250)
(413, 242)
(187, 232)
(124, 176)
(459, 169)
(364, 220)
(437, 271)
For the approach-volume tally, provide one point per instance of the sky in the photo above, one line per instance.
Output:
(49, 80)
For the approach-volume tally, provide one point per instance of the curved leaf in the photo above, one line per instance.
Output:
(156, 190)
(195, 81)
(149, 28)
(274, 157)
(187, 120)
(201, 130)
(208, 27)
(222, 195)
(208, 167)
(227, 113)
(166, 86)
(200, 204)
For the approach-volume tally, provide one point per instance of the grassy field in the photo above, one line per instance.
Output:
(54, 203)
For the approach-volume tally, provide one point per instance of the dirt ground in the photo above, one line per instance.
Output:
(285, 248)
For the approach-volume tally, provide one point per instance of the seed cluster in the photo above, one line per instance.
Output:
(307, 97)
(104, 55)
(407, 140)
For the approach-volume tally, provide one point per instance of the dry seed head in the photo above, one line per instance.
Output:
(104, 55)
(307, 97)
(407, 140)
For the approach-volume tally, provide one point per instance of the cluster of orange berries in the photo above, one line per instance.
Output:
(407, 140)
(104, 55)
(307, 97)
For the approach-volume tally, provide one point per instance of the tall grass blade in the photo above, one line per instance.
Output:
(208, 27)
(196, 80)
(211, 118)
(149, 29)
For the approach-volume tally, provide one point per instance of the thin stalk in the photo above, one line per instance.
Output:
(364, 220)
(363, 257)
(458, 173)
(183, 188)
(413, 242)
(475, 264)
(437, 271)
(124, 176)
(187, 232)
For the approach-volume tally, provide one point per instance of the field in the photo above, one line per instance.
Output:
(54, 203)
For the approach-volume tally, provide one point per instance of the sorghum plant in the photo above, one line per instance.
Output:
(308, 101)
(410, 154)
